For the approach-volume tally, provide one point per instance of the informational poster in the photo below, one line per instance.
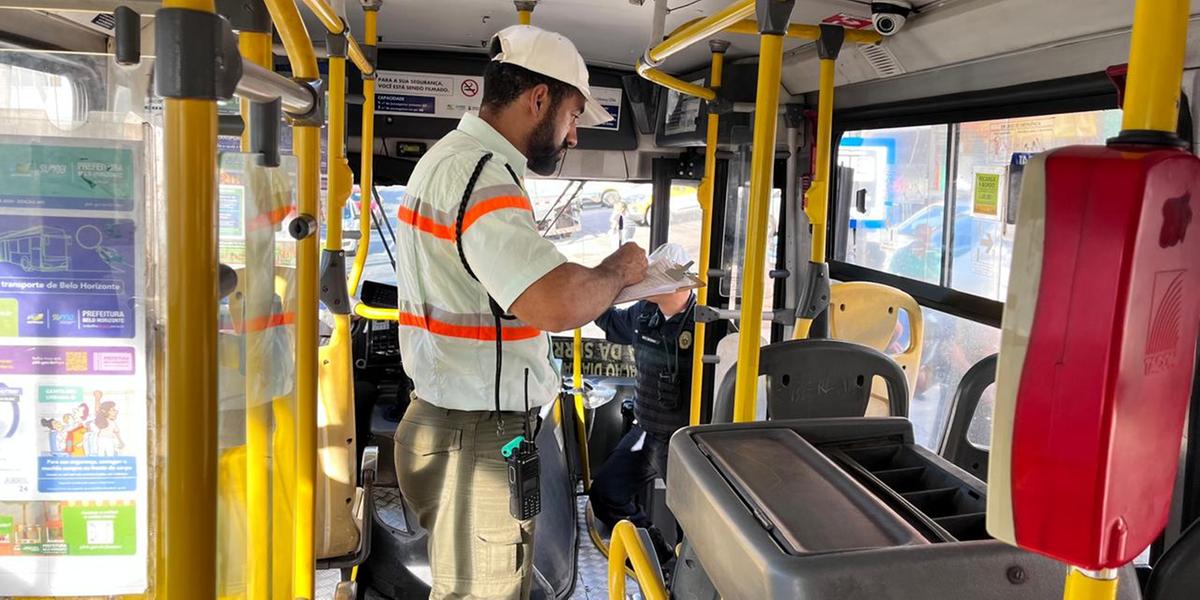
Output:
(610, 99)
(427, 94)
(682, 112)
(985, 201)
(73, 367)
(448, 96)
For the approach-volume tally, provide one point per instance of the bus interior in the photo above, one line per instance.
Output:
(850, 176)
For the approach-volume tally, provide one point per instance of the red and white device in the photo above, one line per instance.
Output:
(1098, 347)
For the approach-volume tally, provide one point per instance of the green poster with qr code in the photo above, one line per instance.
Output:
(100, 530)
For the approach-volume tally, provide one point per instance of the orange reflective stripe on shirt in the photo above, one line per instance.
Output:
(429, 225)
(467, 332)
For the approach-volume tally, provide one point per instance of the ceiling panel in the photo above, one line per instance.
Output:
(615, 32)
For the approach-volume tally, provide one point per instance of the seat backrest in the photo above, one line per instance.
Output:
(1176, 576)
(869, 314)
(956, 448)
(819, 378)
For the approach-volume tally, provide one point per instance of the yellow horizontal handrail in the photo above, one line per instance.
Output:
(358, 58)
(375, 313)
(334, 24)
(808, 32)
(693, 32)
(674, 83)
(625, 542)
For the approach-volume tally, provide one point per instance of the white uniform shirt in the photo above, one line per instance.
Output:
(447, 333)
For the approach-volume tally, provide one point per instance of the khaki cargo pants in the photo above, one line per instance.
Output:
(454, 479)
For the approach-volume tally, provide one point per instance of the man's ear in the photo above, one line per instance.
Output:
(539, 99)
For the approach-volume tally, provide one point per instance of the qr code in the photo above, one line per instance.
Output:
(100, 533)
(77, 362)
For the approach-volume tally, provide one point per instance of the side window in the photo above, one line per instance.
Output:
(991, 158)
(898, 190)
(952, 345)
(44, 94)
(904, 183)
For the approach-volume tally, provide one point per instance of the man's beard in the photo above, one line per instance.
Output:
(544, 152)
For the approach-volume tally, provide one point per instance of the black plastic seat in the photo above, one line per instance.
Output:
(1176, 576)
(817, 378)
(956, 448)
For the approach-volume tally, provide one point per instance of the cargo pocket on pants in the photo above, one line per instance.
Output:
(500, 551)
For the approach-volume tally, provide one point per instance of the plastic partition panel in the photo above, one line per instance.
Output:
(1096, 356)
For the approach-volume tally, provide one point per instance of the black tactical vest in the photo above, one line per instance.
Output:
(663, 351)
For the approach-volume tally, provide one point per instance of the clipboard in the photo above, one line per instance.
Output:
(662, 277)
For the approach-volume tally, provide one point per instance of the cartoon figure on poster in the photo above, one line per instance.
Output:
(82, 430)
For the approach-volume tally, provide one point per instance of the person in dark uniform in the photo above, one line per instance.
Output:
(661, 330)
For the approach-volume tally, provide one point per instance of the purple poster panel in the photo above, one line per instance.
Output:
(67, 277)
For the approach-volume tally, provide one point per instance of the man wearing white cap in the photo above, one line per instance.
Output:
(478, 289)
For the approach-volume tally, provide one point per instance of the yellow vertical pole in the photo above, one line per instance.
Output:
(307, 147)
(817, 198)
(366, 178)
(817, 202)
(705, 196)
(187, 445)
(259, 288)
(1156, 57)
(1090, 585)
(525, 11)
(338, 173)
(580, 416)
(762, 163)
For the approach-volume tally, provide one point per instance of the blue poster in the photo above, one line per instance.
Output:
(67, 277)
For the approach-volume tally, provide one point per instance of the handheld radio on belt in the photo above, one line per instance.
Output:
(524, 482)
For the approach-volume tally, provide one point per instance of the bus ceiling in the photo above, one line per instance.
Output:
(946, 46)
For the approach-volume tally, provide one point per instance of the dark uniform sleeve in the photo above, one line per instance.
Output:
(618, 323)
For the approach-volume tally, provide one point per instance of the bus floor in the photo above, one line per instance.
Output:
(591, 573)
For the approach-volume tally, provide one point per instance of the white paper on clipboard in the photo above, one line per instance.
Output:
(662, 277)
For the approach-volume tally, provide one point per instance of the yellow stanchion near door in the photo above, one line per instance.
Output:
(585, 468)
(705, 196)
(762, 163)
(307, 148)
(187, 444)
(255, 47)
(366, 177)
(817, 198)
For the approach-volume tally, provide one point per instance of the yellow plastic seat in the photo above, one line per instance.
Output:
(869, 314)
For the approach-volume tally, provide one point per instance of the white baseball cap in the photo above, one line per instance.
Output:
(552, 55)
